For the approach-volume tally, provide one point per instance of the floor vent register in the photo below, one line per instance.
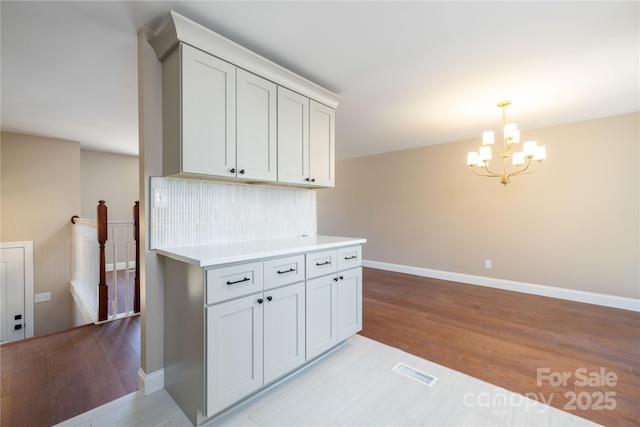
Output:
(414, 374)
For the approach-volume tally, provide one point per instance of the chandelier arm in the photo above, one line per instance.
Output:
(494, 174)
(488, 175)
(522, 172)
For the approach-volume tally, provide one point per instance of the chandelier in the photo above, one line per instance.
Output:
(479, 160)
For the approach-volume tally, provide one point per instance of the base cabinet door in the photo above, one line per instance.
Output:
(284, 330)
(322, 327)
(349, 303)
(234, 351)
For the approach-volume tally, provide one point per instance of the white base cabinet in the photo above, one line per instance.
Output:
(334, 310)
(234, 328)
(234, 351)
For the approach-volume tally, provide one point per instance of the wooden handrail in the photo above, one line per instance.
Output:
(136, 237)
(103, 294)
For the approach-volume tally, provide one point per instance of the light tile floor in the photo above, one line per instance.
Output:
(354, 386)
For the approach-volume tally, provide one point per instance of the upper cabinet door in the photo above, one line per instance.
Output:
(293, 137)
(322, 129)
(256, 127)
(208, 114)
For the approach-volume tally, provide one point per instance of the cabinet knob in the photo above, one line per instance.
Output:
(307, 179)
(341, 277)
(313, 180)
(233, 170)
(260, 300)
(335, 279)
(241, 171)
(269, 298)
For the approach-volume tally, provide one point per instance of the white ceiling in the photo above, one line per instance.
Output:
(411, 73)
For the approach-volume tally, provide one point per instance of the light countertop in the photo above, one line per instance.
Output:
(225, 253)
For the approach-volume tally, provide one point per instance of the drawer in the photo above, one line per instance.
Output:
(234, 281)
(283, 271)
(349, 257)
(321, 263)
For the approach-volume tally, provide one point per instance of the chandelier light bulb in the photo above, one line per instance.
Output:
(541, 153)
(511, 132)
(488, 138)
(472, 158)
(518, 158)
(485, 153)
(529, 148)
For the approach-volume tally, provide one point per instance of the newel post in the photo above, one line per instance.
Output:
(103, 295)
(136, 238)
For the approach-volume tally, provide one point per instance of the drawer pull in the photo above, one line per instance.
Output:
(323, 263)
(287, 271)
(351, 257)
(246, 279)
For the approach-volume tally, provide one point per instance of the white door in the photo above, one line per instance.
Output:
(234, 351)
(293, 137)
(256, 128)
(322, 129)
(284, 330)
(322, 328)
(208, 114)
(16, 291)
(349, 303)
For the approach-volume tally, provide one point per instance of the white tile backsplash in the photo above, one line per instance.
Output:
(203, 212)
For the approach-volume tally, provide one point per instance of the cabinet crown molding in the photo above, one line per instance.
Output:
(175, 29)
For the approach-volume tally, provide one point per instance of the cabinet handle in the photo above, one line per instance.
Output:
(260, 300)
(246, 279)
(233, 170)
(241, 171)
(341, 277)
(351, 257)
(323, 263)
(286, 271)
(269, 298)
(310, 179)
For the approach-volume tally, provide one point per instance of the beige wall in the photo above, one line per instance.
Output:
(109, 177)
(44, 182)
(40, 187)
(574, 224)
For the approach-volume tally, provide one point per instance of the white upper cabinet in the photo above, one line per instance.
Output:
(199, 114)
(293, 137)
(322, 130)
(233, 114)
(306, 141)
(256, 146)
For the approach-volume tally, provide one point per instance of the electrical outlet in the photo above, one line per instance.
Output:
(487, 263)
(45, 296)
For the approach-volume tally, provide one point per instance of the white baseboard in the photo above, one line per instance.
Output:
(527, 288)
(150, 383)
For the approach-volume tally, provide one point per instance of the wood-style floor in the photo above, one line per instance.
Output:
(505, 337)
(497, 336)
(48, 379)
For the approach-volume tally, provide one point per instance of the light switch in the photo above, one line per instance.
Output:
(160, 198)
